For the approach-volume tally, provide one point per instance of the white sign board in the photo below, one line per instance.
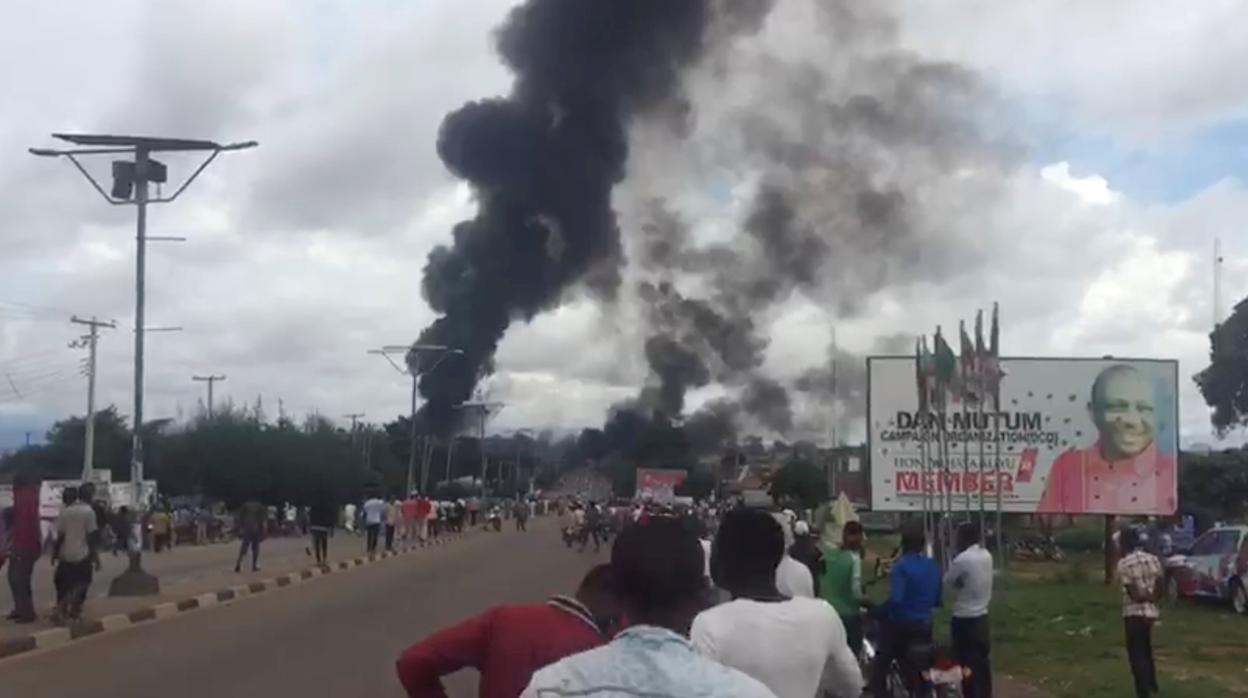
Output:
(1094, 436)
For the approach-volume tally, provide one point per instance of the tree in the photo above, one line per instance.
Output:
(1214, 487)
(800, 482)
(1224, 383)
(61, 455)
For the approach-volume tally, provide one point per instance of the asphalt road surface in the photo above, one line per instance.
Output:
(336, 636)
(184, 564)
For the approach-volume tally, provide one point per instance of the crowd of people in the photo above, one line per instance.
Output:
(735, 603)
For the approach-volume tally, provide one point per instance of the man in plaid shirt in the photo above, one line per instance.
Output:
(1140, 574)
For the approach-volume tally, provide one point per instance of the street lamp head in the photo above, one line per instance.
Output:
(44, 152)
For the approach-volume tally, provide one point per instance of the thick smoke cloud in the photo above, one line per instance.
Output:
(862, 157)
(543, 163)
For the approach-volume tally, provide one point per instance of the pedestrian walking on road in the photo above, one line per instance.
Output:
(250, 526)
(321, 519)
(657, 571)
(374, 516)
(394, 515)
(1140, 574)
(410, 532)
(162, 527)
(25, 546)
(474, 511)
(507, 644)
(74, 555)
(970, 578)
(796, 646)
(424, 512)
(522, 515)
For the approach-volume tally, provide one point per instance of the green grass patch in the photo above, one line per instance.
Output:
(1061, 630)
(1058, 628)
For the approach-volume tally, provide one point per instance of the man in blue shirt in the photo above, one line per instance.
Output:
(915, 589)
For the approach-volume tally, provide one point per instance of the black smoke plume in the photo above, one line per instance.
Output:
(543, 163)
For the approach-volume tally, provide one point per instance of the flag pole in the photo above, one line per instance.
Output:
(924, 412)
(994, 350)
(981, 379)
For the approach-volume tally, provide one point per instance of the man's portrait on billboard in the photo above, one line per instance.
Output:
(1124, 471)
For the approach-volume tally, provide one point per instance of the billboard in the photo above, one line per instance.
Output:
(658, 485)
(1075, 436)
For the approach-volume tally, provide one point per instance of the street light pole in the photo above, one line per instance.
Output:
(414, 370)
(131, 181)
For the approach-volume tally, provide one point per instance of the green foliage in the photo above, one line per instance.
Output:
(800, 482)
(1080, 538)
(1214, 486)
(61, 455)
(1224, 383)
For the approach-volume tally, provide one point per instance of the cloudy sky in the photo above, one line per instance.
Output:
(1126, 121)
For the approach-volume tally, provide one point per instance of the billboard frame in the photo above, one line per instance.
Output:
(1002, 360)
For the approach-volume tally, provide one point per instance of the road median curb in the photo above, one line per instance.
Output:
(55, 637)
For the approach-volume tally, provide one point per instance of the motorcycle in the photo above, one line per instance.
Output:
(494, 520)
(938, 673)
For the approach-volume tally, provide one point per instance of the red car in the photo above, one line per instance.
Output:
(1216, 568)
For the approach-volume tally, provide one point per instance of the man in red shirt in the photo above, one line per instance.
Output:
(508, 643)
(1123, 472)
(26, 542)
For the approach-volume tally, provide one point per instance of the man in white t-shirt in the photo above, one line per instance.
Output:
(73, 555)
(374, 514)
(795, 646)
(970, 579)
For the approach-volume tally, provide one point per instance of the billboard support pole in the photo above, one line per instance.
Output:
(979, 483)
(924, 467)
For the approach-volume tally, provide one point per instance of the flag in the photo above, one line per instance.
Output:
(969, 366)
(946, 365)
(929, 376)
(992, 362)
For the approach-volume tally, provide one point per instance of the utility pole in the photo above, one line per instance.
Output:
(131, 182)
(89, 341)
(414, 369)
(209, 379)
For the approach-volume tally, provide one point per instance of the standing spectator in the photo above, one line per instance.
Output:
(914, 591)
(162, 528)
(970, 577)
(374, 515)
(474, 511)
(74, 555)
(394, 515)
(508, 643)
(1140, 575)
(250, 525)
(841, 583)
(25, 545)
(424, 510)
(321, 519)
(792, 577)
(789, 644)
(657, 573)
(805, 549)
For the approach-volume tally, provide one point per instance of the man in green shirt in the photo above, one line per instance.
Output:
(841, 584)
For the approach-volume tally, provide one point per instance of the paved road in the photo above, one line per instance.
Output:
(181, 566)
(337, 636)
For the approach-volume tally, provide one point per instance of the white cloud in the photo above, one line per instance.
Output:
(307, 252)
